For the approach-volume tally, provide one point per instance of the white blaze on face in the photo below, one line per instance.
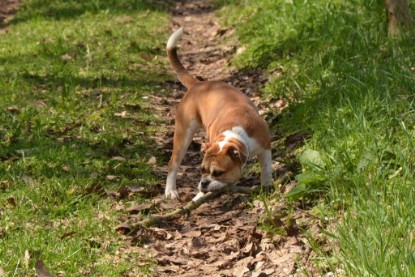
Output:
(253, 148)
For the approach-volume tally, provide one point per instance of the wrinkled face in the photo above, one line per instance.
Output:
(221, 166)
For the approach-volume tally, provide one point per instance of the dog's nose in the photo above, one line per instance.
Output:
(205, 183)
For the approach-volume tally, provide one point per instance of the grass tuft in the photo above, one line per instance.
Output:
(75, 81)
(351, 87)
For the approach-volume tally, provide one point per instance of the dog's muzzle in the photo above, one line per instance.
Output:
(210, 184)
(204, 184)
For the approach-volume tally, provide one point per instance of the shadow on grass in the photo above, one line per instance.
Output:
(53, 81)
(66, 156)
(62, 9)
(63, 133)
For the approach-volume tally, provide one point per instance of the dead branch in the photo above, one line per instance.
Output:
(192, 205)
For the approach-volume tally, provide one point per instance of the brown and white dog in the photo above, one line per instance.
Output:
(234, 129)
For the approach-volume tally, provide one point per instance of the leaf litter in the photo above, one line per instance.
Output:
(223, 237)
(7, 11)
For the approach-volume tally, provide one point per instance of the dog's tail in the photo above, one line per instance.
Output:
(185, 78)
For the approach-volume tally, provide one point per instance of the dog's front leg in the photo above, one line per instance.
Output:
(183, 134)
(265, 161)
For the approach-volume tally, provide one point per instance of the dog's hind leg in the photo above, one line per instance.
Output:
(183, 134)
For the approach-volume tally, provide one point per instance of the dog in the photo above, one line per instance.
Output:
(235, 131)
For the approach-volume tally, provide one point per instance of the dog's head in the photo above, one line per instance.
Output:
(222, 164)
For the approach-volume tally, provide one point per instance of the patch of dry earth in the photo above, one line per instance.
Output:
(220, 238)
(7, 10)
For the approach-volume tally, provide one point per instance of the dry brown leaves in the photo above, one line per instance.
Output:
(7, 10)
(221, 237)
(41, 269)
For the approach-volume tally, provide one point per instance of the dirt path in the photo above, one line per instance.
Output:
(220, 238)
(7, 10)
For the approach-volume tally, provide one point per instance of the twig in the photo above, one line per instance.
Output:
(192, 205)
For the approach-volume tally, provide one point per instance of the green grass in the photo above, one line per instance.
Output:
(352, 88)
(75, 77)
(75, 81)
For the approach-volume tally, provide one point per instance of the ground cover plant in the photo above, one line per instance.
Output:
(83, 88)
(350, 87)
(76, 78)
(76, 82)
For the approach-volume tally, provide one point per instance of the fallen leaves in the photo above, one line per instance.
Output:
(111, 177)
(121, 114)
(13, 109)
(141, 208)
(220, 238)
(118, 158)
(66, 58)
(41, 269)
(12, 201)
(152, 161)
(26, 259)
(68, 235)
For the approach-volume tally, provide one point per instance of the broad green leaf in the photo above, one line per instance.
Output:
(365, 161)
(309, 177)
(312, 159)
(296, 192)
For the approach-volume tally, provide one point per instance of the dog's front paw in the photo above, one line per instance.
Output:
(172, 194)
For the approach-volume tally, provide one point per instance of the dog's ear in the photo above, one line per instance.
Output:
(205, 147)
(236, 154)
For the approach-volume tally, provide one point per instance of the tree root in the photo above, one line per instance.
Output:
(192, 205)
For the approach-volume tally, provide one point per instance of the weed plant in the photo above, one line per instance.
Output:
(352, 88)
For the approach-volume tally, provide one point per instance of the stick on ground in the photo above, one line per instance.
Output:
(192, 205)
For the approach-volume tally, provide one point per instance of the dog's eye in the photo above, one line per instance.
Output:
(204, 169)
(217, 173)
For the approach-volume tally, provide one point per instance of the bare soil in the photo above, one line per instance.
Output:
(7, 9)
(222, 237)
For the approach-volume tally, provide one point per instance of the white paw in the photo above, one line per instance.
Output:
(198, 195)
(172, 194)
